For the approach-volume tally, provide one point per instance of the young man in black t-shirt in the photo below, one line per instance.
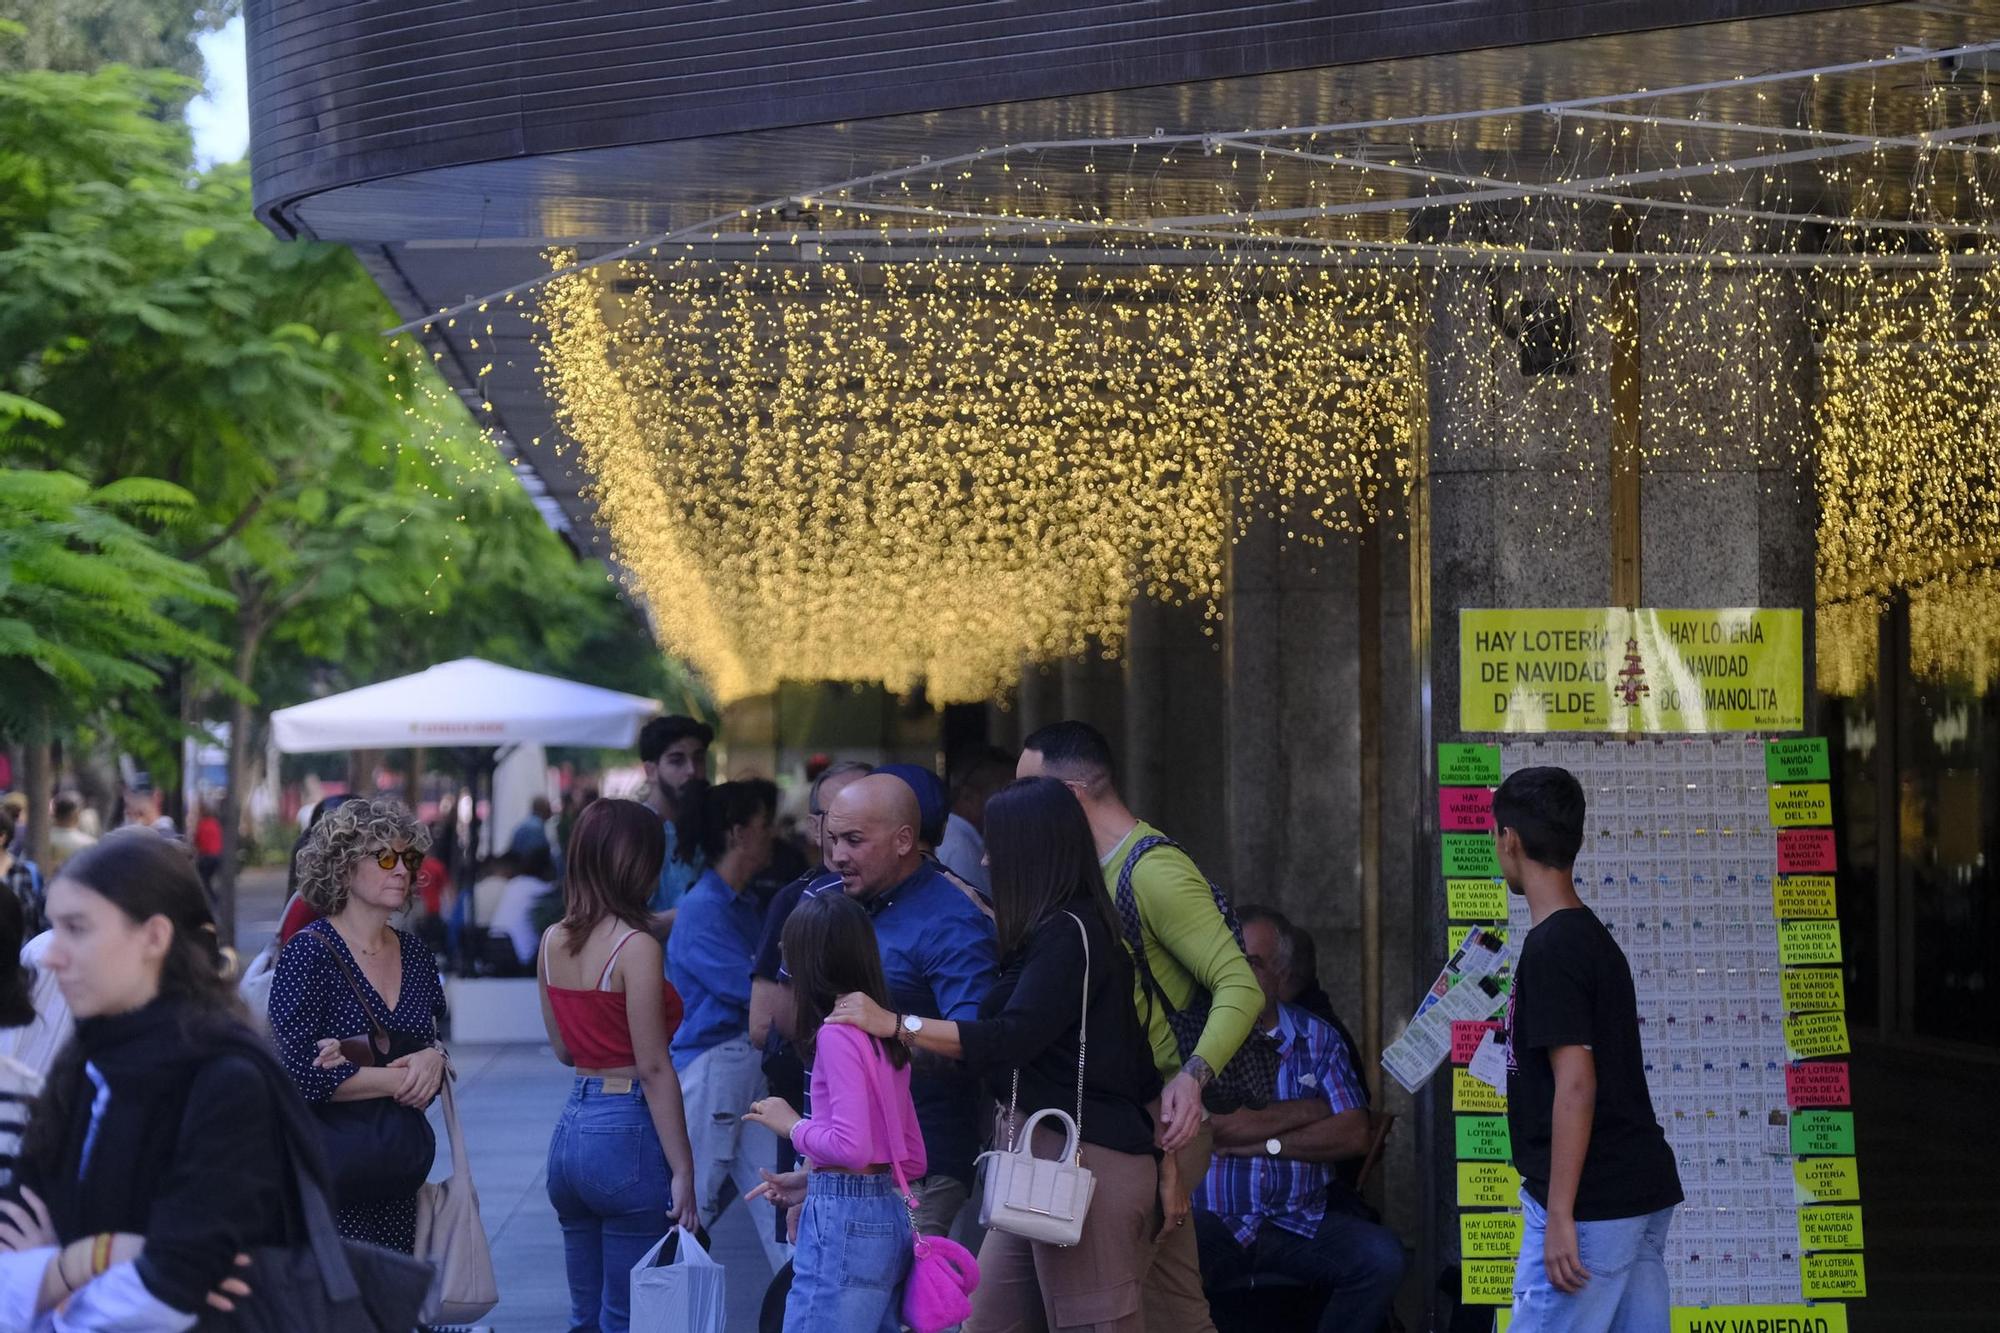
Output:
(1598, 1182)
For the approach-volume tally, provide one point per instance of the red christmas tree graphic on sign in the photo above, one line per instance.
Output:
(1631, 686)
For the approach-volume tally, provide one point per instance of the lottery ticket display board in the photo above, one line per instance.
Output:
(1711, 861)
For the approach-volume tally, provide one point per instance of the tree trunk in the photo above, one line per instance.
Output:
(95, 769)
(250, 626)
(176, 785)
(361, 768)
(38, 783)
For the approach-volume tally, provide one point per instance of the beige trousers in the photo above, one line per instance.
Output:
(1175, 1302)
(1117, 1279)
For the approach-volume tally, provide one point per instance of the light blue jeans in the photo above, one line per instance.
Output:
(852, 1257)
(1626, 1260)
(611, 1188)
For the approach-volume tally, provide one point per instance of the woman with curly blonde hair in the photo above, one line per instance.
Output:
(354, 1014)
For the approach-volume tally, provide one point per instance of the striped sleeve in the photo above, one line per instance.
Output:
(1344, 1089)
(18, 1089)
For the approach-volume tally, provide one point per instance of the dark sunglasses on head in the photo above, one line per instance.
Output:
(411, 859)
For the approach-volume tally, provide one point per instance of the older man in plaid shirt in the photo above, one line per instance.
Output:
(1264, 1206)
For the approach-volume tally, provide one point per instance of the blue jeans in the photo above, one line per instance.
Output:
(609, 1182)
(1356, 1263)
(1626, 1260)
(852, 1256)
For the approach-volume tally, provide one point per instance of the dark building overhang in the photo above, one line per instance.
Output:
(450, 143)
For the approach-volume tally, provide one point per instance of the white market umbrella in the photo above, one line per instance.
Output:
(469, 702)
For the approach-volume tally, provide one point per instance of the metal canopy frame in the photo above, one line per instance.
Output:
(800, 236)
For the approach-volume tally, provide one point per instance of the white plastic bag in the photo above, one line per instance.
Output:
(677, 1288)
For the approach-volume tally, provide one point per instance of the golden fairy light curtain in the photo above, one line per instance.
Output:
(1909, 474)
(932, 473)
(935, 423)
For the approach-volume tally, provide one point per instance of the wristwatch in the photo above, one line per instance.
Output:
(1273, 1147)
(1197, 1068)
(908, 1026)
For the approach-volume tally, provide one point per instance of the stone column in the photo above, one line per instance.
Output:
(748, 743)
(1093, 691)
(1003, 723)
(1175, 763)
(1519, 516)
(1322, 760)
(1038, 699)
(1729, 525)
(1257, 771)
(1519, 503)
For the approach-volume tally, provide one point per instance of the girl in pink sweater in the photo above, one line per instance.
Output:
(854, 1235)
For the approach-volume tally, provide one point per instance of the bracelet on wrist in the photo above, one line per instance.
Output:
(1197, 1069)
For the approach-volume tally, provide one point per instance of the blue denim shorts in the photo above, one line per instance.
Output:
(1626, 1260)
(852, 1257)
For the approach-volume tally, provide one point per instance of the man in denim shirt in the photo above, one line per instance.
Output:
(939, 957)
(708, 962)
(673, 751)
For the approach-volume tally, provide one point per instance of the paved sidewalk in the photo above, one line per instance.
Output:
(508, 1099)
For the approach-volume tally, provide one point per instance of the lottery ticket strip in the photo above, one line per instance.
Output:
(1711, 861)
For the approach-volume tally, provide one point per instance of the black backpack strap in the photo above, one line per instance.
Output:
(1134, 931)
(1128, 911)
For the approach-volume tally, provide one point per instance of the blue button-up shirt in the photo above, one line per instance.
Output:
(677, 877)
(940, 958)
(708, 960)
(1246, 1192)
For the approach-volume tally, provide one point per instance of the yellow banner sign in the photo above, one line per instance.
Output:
(1487, 1185)
(1489, 1235)
(1470, 1095)
(1813, 1035)
(1836, 1277)
(1475, 899)
(1617, 670)
(1827, 1179)
(1804, 943)
(1830, 1227)
(1801, 805)
(1796, 896)
(1810, 990)
(1486, 1281)
(1760, 1319)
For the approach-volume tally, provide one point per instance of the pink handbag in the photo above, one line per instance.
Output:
(943, 1273)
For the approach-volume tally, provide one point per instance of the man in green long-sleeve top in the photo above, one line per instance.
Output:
(1189, 948)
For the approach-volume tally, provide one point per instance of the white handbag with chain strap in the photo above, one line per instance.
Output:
(1040, 1198)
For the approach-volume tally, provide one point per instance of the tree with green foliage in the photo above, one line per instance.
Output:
(171, 336)
(357, 521)
(77, 36)
(88, 601)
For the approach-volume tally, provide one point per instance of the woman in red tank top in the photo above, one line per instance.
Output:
(620, 1169)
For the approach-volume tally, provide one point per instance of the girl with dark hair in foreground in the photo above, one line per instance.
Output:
(853, 1234)
(156, 1156)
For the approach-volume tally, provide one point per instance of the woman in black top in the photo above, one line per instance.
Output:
(351, 975)
(1046, 883)
(164, 1119)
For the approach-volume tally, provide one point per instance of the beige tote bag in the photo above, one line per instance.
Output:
(451, 1238)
